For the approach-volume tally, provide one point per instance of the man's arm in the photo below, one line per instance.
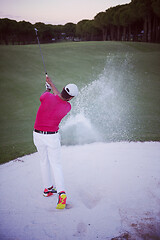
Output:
(54, 89)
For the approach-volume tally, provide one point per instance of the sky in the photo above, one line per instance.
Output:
(55, 11)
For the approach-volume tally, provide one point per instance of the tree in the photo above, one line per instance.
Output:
(41, 28)
(116, 20)
(100, 22)
(131, 23)
(80, 29)
(25, 32)
(91, 31)
(7, 30)
(125, 21)
(156, 7)
(110, 22)
(57, 31)
(70, 30)
(156, 20)
(144, 11)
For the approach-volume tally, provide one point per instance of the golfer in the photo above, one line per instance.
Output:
(46, 137)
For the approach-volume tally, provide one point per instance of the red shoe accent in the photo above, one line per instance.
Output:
(47, 193)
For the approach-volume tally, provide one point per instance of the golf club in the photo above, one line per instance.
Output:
(36, 30)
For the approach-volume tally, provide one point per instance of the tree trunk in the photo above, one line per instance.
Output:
(158, 30)
(149, 28)
(104, 34)
(129, 32)
(118, 33)
(135, 33)
(124, 34)
(145, 27)
(154, 30)
(112, 33)
(6, 40)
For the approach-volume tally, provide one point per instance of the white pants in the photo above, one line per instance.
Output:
(48, 147)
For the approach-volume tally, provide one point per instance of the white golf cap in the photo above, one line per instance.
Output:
(71, 89)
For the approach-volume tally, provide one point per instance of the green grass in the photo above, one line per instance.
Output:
(22, 81)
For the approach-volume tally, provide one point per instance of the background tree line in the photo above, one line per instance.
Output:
(136, 21)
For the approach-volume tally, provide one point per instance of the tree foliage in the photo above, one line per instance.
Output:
(70, 30)
(136, 21)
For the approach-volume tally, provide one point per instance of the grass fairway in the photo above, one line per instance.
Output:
(22, 81)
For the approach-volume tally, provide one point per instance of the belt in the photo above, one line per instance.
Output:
(45, 132)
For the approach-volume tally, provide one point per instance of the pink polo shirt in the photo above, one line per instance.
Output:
(51, 112)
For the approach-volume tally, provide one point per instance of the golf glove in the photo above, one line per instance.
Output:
(48, 87)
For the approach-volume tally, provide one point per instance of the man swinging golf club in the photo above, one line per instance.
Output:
(46, 137)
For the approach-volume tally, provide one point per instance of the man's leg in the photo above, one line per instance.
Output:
(44, 161)
(54, 154)
(55, 163)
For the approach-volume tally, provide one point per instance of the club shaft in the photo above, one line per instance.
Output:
(41, 55)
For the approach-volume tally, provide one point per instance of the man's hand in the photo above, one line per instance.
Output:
(54, 89)
(48, 87)
(48, 80)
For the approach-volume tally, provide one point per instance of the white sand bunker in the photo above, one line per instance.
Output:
(113, 190)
